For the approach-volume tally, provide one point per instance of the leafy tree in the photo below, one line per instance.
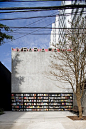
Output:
(72, 68)
(4, 35)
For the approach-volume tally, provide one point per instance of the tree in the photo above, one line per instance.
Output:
(73, 66)
(4, 35)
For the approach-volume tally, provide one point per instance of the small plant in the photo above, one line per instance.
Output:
(1, 111)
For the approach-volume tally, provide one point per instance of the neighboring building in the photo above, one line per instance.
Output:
(54, 34)
(62, 22)
(5, 88)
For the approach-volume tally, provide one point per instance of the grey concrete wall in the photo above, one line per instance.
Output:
(28, 73)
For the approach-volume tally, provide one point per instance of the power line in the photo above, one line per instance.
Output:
(38, 20)
(33, 11)
(27, 17)
(42, 28)
(26, 11)
(42, 33)
(48, 7)
(27, 1)
(30, 33)
(66, 14)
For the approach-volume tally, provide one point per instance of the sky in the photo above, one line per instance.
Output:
(23, 37)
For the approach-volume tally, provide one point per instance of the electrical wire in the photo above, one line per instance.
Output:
(26, 11)
(38, 20)
(43, 28)
(32, 31)
(66, 14)
(27, 18)
(47, 7)
(43, 33)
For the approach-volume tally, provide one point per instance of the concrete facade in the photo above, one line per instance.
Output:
(31, 73)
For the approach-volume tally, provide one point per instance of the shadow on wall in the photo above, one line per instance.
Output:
(17, 78)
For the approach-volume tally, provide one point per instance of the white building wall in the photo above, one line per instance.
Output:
(54, 34)
(63, 20)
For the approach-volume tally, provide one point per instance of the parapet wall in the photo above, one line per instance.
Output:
(37, 50)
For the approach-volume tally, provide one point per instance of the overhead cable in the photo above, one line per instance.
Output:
(66, 14)
(48, 7)
(41, 27)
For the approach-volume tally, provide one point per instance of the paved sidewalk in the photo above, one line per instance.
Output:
(40, 120)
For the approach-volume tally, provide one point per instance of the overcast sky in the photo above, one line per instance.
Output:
(21, 36)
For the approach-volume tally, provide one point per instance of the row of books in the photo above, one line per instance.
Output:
(42, 100)
(61, 94)
(17, 100)
(29, 97)
(30, 106)
(16, 103)
(36, 109)
(29, 103)
(15, 97)
(17, 106)
(61, 97)
(40, 109)
(35, 104)
(59, 109)
(52, 104)
(16, 94)
(35, 100)
(42, 97)
(50, 100)
(66, 94)
(60, 103)
(17, 109)
(60, 106)
(30, 100)
(21, 98)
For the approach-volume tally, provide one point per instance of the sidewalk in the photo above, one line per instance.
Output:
(40, 120)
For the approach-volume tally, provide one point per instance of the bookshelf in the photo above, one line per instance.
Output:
(41, 101)
(17, 102)
(29, 102)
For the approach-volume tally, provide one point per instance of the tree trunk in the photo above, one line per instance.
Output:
(79, 106)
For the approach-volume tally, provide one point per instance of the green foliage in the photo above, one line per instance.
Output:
(1, 111)
(4, 35)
